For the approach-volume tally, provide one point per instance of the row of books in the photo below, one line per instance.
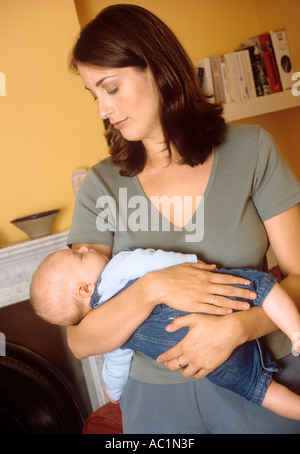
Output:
(259, 66)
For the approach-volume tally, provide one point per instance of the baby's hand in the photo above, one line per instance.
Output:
(111, 400)
(296, 344)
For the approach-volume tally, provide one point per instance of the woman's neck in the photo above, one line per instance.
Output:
(158, 155)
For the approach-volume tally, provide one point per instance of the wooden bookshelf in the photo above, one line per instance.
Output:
(239, 110)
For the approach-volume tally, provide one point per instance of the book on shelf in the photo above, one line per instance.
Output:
(203, 68)
(228, 77)
(217, 78)
(239, 76)
(259, 66)
(269, 60)
(261, 81)
(248, 83)
(232, 76)
(226, 90)
(283, 57)
(265, 61)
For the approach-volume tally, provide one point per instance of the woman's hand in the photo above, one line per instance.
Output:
(195, 288)
(208, 344)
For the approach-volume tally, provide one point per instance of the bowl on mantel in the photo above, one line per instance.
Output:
(36, 225)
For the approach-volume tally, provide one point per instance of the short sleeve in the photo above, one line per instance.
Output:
(90, 222)
(275, 187)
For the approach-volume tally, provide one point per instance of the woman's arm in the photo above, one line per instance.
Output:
(188, 287)
(211, 340)
(284, 235)
(109, 326)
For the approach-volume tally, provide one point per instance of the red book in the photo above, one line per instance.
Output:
(270, 62)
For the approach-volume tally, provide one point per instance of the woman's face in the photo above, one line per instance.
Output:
(128, 98)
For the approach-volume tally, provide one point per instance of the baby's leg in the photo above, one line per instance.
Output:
(281, 309)
(282, 401)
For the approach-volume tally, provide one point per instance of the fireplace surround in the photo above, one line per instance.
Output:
(44, 388)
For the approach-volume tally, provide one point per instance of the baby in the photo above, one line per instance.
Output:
(69, 283)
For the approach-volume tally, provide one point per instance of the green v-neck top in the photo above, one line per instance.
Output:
(249, 183)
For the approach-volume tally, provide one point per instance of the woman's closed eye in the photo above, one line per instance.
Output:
(112, 91)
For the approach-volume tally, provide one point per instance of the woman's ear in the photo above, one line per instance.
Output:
(85, 289)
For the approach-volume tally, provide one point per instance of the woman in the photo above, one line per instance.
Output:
(179, 179)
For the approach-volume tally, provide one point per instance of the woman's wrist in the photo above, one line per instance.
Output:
(251, 324)
(151, 289)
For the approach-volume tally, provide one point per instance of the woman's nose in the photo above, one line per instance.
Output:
(104, 110)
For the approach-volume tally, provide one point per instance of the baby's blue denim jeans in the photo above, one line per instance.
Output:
(247, 372)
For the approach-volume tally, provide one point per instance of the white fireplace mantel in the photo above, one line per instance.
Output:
(18, 263)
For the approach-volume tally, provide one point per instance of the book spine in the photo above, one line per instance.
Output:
(226, 89)
(261, 82)
(217, 78)
(269, 62)
(204, 67)
(283, 58)
(241, 76)
(232, 74)
(248, 74)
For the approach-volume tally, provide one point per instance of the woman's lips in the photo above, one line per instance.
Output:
(119, 124)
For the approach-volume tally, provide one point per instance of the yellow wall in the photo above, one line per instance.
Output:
(49, 125)
(201, 25)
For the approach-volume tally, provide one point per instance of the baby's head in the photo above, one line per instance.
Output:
(62, 286)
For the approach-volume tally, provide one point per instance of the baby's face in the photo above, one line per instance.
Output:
(89, 263)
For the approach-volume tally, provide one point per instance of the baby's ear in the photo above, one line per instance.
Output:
(85, 289)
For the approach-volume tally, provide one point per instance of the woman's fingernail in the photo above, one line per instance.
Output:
(246, 305)
(253, 295)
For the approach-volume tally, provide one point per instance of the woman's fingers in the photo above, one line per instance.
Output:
(224, 286)
(225, 303)
(205, 266)
(228, 279)
(205, 346)
(197, 288)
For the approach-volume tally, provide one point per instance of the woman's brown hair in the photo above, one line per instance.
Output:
(128, 35)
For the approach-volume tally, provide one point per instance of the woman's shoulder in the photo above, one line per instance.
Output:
(105, 165)
(107, 172)
(248, 142)
(245, 135)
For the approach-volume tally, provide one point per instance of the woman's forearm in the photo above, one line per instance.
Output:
(252, 324)
(255, 323)
(109, 326)
(291, 284)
